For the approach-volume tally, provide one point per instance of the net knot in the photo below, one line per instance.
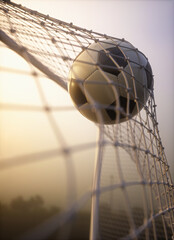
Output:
(116, 144)
(105, 36)
(34, 73)
(53, 40)
(33, 12)
(134, 147)
(23, 49)
(66, 151)
(128, 90)
(65, 58)
(12, 30)
(47, 108)
(42, 23)
(147, 151)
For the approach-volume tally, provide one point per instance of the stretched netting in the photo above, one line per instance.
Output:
(132, 195)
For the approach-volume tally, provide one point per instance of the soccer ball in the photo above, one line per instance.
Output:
(109, 82)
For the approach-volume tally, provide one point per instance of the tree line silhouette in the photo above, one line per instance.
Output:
(22, 215)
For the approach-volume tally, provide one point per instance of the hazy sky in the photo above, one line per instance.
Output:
(148, 25)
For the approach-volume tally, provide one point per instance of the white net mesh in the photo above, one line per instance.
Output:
(132, 194)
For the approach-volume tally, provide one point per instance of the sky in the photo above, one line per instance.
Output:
(148, 25)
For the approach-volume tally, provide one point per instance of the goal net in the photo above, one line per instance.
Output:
(130, 194)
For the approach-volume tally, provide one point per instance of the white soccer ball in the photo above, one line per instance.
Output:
(109, 82)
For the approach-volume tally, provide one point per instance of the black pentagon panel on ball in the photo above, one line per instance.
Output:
(132, 105)
(111, 111)
(77, 94)
(123, 103)
(149, 76)
(107, 64)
